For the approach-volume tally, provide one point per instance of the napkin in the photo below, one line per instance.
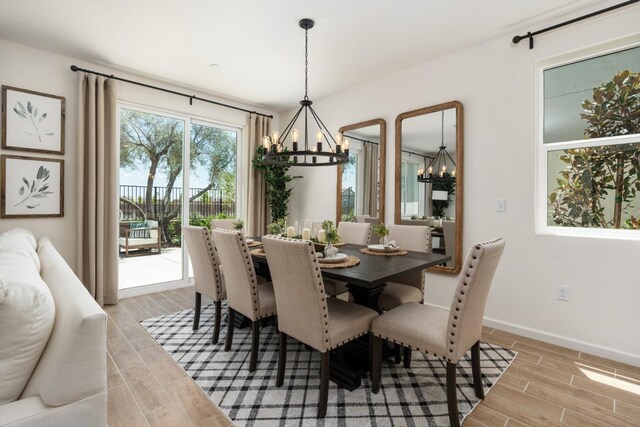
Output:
(391, 245)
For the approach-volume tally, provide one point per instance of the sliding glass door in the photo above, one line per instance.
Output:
(173, 171)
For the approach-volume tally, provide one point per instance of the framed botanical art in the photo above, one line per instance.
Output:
(32, 121)
(31, 187)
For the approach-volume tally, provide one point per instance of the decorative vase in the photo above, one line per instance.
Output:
(330, 250)
(384, 241)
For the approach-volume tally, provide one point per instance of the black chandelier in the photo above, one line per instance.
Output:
(275, 152)
(438, 171)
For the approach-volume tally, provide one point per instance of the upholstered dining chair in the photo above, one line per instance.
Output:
(409, 287)
(243, 293)
(328, 322)
(207, 276)
(358, 233)
(447, 334)
(225, 224)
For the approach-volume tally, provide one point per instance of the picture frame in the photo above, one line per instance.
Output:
(32, 121)
(31, 187)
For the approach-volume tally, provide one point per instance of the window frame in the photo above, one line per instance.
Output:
(542, 149)
(242, 178)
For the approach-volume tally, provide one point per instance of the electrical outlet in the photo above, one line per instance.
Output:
(563, 293)
(501, 205)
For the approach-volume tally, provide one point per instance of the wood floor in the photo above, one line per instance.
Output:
(546, 385)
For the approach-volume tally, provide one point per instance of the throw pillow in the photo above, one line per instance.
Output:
(27, 314)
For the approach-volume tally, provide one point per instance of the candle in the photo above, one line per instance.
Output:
(321, 235)
(306, 233)
(291, 231)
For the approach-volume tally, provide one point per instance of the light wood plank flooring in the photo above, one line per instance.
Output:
(546, 385)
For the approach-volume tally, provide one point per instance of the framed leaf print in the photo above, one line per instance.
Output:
(32, 121)
(31, 187)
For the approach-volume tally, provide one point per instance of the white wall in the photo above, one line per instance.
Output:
(41, 71)
(495, 81)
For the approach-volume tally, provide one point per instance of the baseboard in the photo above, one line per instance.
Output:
(151, 289)
(574, 344)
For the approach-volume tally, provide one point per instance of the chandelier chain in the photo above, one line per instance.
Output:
(306, 63)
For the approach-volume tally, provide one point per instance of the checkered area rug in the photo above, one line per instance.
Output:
(408, 397)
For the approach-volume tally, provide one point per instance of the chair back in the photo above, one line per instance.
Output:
(224, 224)
(358, 233)
(204, 259)
(240, 277)
(411, 237)
(467, 309)
(449, 232)
(301, 302)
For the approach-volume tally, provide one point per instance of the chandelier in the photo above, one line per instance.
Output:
(326, 151)
(438, 170)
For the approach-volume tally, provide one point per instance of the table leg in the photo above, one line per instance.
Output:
(351, 361)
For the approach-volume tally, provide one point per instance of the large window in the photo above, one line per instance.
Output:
(174, 171)
(590, 149)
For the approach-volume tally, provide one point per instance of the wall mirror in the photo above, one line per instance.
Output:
(360, 189)
(429, 176)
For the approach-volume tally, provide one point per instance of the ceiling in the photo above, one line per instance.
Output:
(258, 45)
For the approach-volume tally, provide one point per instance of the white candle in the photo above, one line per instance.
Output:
(321, 235)
(291, 231)
(306, 233)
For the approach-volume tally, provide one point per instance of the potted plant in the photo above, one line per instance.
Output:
(382, 232)
(331, 237)
(238, 224)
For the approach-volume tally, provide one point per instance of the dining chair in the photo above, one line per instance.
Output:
(410, 286)
(243, 293)
(449, 232)
(358, 233)
(207, 275)
(328, 322)
(225, 224)
(447, 334)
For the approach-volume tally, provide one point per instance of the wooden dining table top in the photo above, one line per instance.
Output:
(375, 270)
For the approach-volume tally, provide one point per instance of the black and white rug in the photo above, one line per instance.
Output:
(408, 397)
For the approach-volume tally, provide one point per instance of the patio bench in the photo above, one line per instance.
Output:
(142, 235)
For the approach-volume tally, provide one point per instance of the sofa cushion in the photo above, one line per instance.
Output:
(27, 315)
(20, 240)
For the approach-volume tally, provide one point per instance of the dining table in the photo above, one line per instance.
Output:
(365, 282)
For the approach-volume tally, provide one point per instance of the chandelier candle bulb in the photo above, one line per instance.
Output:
(319, 136)
(306, 233)
(295, 134)
(275, 137)
(266, 141)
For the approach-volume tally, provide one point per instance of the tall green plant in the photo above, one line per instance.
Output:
(592, 173)
(276, 178)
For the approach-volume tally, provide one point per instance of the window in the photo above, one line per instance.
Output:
(413, 192)
(162, 188)
(590, 150)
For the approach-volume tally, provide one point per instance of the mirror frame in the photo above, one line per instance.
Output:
(382, 147)
(459, 173)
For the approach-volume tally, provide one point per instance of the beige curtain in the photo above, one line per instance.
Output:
(370, 190)
(97, 193)
(259, 126)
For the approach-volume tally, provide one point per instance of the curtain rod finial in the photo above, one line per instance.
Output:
(74, 68)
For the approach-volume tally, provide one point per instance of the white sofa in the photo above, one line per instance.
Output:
(68, 386)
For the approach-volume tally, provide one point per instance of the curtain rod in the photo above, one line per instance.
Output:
(377, 143)
(530, 34)
(191, 97)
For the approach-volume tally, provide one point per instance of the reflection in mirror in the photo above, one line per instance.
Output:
(360, 189)
(429, 145)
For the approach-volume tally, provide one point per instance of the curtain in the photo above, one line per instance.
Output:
(370, 190)
(96, 192)
(259, 126)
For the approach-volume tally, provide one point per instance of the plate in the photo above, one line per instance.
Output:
(381, 248)
(248, 240)
(338, 258)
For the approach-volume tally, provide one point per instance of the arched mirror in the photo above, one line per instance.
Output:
(360, 189)
(429, 176)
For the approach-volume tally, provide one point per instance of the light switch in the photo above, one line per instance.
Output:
(501, 205)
